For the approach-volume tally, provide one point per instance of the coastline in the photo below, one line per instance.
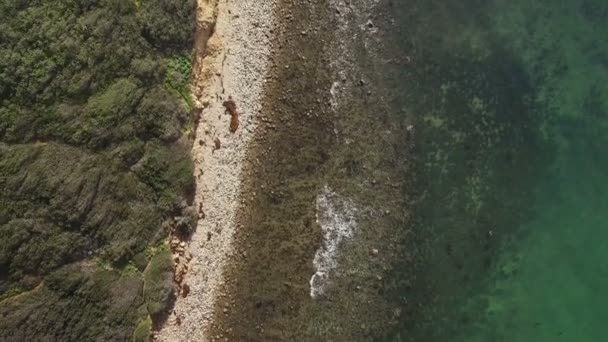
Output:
(333, 165)
(232, 56)
(373, 173)
(325, 119)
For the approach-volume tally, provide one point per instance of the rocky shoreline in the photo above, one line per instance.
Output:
(232, 51)
(320, 121)
(328, 149)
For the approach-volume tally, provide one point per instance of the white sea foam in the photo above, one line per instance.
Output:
(336, 217)
(333, 92)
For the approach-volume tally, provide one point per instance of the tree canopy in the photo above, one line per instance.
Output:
(94, 108)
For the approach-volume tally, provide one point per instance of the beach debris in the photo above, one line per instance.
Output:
(181, 269)
(217, 144)
(197, 113)
(234, 114)
(185, 290)
(201, 212)
(179, 249)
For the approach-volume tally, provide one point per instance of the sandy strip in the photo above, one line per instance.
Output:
(233, 44)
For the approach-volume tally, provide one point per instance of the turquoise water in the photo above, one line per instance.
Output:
(471, 138)
(511, 102)
(549, 284)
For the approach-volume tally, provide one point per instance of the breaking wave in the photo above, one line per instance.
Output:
(336, 217)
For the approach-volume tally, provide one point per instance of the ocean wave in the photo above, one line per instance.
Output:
(336, 217)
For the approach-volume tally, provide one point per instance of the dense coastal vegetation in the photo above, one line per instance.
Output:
(94, 164)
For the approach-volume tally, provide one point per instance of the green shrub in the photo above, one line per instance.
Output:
(163, 20)
(143, 331)
(186, 224)
(158, 283)
(92, 161)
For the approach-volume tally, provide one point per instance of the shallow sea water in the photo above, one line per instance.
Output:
(510, 100)
(439, 174)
